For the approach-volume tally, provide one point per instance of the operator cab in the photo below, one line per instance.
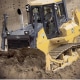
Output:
(52, 16)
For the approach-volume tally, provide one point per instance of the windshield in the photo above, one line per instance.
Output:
(49, 21)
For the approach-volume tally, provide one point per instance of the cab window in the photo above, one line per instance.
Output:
(37, 11)
(60, 13)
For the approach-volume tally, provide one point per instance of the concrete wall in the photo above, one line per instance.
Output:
(10, 7)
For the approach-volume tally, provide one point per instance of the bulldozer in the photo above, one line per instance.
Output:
(50, 30)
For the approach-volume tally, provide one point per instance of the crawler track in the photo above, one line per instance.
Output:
(55, 53)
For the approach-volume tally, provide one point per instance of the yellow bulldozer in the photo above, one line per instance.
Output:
(59, 36)
(51, 31)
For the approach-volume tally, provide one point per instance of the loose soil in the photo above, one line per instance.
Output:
(30, 64)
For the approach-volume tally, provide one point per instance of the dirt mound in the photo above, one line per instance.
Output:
(34, 57)
(29, 64)
(25, 60)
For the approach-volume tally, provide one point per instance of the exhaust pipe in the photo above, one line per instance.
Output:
(21, 18)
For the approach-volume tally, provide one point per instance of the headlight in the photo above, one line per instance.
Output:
(8, 33)
(27, 7)
(26, 32)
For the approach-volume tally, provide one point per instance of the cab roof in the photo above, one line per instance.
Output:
(42, 2)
